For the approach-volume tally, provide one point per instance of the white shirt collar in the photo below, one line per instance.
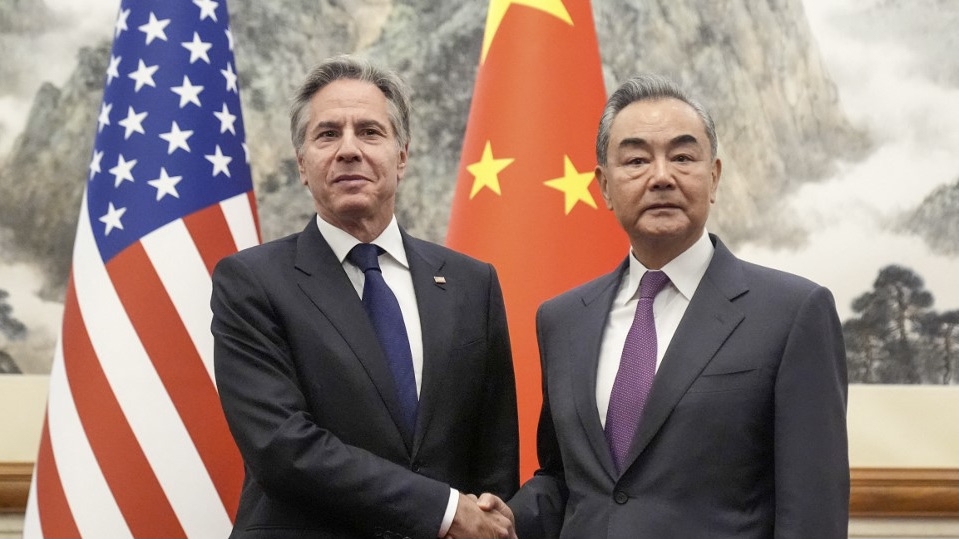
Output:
(684, 272)
(390, 240)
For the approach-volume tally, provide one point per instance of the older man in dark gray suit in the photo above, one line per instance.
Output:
(710, 407)
(366, 375)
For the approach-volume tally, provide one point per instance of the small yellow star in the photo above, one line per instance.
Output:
(497, 10)
(486, 171)
(574, 185)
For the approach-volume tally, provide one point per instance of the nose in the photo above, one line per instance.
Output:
(661, 177)
(348, 149)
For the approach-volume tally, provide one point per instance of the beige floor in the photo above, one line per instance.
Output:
(11, 527)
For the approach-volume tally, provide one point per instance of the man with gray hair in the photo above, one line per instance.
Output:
(365, 374)
(687, 393)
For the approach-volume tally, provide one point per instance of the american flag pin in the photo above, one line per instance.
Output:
(439, 279)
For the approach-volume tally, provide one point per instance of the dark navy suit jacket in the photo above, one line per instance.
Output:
(310, 400)
(744, 433)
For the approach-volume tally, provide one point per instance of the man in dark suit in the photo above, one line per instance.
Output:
(345, 432)
(736, 428)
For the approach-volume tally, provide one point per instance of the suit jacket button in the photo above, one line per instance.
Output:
(620, 497)
(417, 466)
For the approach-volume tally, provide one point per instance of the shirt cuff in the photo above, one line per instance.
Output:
(450, 512)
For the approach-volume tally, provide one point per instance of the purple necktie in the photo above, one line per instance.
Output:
(636, 370)
(384, 312)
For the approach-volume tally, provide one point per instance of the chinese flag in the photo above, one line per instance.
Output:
(526, 197)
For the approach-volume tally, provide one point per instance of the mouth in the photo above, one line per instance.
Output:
(349, 178)
(662, 206)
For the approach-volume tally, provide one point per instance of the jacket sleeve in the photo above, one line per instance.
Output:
(811, 448)
(540, 504)
(495, 465)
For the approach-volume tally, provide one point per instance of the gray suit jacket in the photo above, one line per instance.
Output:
(744, 433)
(310, 401)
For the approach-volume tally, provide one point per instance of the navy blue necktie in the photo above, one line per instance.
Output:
(384, 312)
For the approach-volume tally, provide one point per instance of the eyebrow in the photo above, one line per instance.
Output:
(637, 142)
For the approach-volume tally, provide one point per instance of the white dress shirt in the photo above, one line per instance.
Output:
(396, 272)
(684, 272)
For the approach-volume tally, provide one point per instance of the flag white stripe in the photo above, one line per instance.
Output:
(241, 220)
(186, 281)
(31, 519)
(91, 501)
(142, 397)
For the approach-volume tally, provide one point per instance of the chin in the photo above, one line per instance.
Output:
(354, 203)
(663, 230)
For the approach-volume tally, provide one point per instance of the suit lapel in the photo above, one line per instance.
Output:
(436, 308)
(323, 280)
(709, 320)
(587, 339)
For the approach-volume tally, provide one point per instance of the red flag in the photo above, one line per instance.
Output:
(526, 198)
(135, 443)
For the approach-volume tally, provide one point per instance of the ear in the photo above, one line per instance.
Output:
(716, 172)
(401, 164)
(603, 180)
(301, 167)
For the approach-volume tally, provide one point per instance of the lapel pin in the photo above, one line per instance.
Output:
(439, 279)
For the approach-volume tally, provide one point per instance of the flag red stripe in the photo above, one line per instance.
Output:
(251, 196)
(211, 234)
(121, 459)
(56, 518)
(181, 370)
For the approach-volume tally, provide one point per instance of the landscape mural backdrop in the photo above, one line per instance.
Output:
(838, 124)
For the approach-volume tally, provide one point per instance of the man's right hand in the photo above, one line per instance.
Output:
(492, 503)
(472, 522)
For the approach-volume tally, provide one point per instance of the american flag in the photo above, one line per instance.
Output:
(134, 443)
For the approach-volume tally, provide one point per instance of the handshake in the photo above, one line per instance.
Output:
(486, 516)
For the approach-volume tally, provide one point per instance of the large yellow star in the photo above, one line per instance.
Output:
(574, 185)
(497, 10)
(486, 171)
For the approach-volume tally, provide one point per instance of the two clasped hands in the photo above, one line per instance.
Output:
(481, 517)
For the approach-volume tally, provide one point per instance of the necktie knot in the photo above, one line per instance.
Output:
(365, 256)
(652, 283)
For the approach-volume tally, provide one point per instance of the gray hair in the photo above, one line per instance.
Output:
(647, 87)
(349, 67)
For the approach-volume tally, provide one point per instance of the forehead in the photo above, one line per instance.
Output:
(651, 120)
(349, 98)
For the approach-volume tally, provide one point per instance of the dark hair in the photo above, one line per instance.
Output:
(647, 87)
(349, 67)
